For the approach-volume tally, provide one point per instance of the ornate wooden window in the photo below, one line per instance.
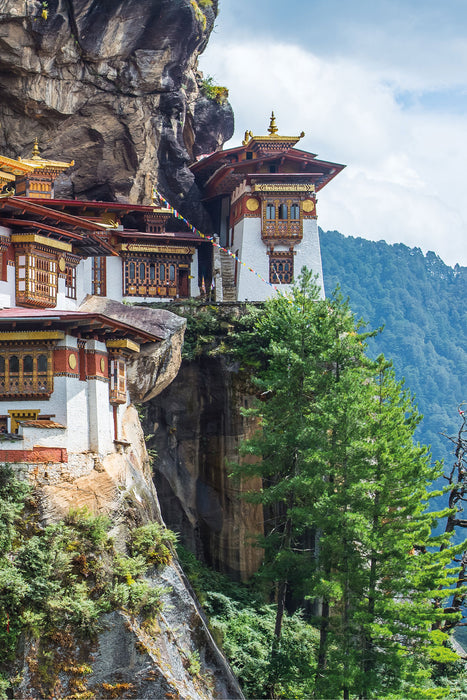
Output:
(295, 211)
(117, 388)
(280, 267)
(270, 212)
(17, 416)
(281, 220)
(161, 276)
(99, 278)
(36, 279)
(26, 371)
(70, 282)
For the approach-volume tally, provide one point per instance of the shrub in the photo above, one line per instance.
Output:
(152, 541)
(217, 93)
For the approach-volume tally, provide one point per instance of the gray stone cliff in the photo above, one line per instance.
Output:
(195, 427)
(113, 85)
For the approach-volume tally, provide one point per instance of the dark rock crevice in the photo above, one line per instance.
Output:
(196, 426)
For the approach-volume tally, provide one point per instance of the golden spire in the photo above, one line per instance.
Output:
(36, 154)
(272, 125)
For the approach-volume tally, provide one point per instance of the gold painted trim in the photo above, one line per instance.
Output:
(283, 188)
(16, 165)
(252, 204)
(41, 240)
(275, 137)
(31, 335)
(123, 343)
(141, 248)
(308, 205)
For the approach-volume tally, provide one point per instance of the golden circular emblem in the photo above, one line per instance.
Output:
(72, 360)
(252, 204)
(308, 205)
(62, 265)
(102, 365)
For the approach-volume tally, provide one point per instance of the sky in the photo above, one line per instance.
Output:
(380, 86)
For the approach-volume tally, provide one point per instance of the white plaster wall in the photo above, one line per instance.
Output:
(101, 431)
(77, 414)
(100, 415)
(114, 278)
(41, 437)
(253, 252)
(63, 302)
(7, 289)
(309, 252)
(194, 289)
(57, 404)
(45, 407)
(83, 279)
(70, 398)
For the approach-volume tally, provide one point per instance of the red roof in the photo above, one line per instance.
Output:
(82, 321)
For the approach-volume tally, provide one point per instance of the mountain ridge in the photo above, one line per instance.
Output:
(419, 301)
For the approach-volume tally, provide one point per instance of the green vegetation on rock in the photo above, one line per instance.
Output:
(242, 623)
(209, 89)
(57, 580)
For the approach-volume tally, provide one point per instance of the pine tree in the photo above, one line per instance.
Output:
(345, 489)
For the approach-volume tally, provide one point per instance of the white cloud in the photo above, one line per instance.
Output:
(404, 180)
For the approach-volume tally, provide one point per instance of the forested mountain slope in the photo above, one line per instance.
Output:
(422, 304)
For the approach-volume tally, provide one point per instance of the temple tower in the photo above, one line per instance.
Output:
(262, 200)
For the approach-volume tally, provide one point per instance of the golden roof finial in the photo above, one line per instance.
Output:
(36, 154)
(272, 125)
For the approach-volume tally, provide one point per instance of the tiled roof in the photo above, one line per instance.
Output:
(40, 424)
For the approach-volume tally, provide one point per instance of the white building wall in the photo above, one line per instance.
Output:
(7, 289)
(253, 252)
(114, 278)
(309, 253)
(44, 407)
(41, 437)
(63, 302)
(100, 413)
(83, 280)
(194, 288)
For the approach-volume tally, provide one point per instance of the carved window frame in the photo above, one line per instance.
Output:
(153, 275)
(117, 377)
(99, 276)
(70, 281)
(280, 220)
(33, 377)
(281, 267)
(36, 278)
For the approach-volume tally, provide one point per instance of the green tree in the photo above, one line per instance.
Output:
(344, 489)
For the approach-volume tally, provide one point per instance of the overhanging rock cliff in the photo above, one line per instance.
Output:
(114, 85)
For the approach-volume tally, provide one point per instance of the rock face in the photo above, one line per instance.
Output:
(112, 84)
(174, 657)
(157, 364)
(197, 427)
(125, 656)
